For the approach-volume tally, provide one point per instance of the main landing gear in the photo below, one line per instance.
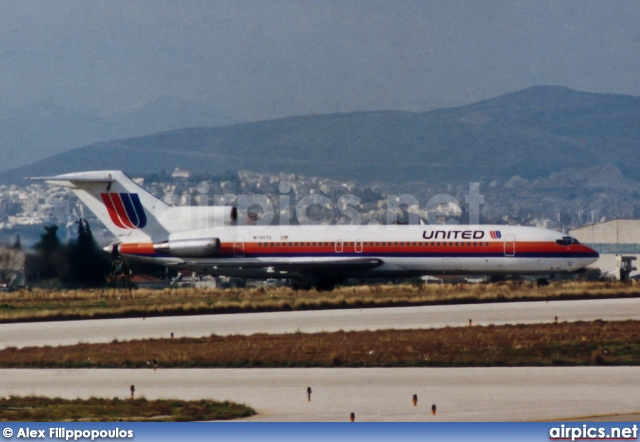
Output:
(542, 282)
(325, 285)
(321, 285)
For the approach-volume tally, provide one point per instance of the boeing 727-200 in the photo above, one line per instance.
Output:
(149, 230)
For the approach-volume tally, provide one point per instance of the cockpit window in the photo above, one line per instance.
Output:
(567, 241)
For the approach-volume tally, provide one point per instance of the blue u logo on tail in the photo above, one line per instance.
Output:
(134, 209)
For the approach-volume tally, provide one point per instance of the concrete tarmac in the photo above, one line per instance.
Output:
(106, 330)
(373, 394)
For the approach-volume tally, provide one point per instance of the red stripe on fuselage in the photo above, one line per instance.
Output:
(411, 247)
(370, 248)
(137, 249)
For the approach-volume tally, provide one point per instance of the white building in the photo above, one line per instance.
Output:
(612, 240)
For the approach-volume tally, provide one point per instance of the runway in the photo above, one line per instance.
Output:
(373, 394)
(106, 330)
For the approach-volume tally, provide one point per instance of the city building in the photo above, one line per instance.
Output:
(617, 242)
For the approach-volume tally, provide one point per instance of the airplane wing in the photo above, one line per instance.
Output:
(284, 265)
(305, 265)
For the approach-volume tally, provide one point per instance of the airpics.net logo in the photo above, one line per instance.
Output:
(314, 211)
(590, 432)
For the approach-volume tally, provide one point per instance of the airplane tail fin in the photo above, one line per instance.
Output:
(126, 209)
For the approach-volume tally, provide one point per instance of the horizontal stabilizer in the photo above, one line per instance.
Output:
(72, 180)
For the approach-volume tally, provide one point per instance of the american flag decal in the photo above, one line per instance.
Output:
(495, 234)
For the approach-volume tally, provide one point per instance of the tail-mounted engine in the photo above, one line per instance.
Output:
(189, 248)
(185, 218)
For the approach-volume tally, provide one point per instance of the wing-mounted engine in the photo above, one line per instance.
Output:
(189, 248)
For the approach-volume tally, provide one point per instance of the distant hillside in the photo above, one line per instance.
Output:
(40, 130)
(530, 133)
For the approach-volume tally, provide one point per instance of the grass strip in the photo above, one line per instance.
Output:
(42, 409)
(572, 344)
(53, 305)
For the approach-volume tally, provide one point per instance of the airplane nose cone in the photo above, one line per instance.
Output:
(592, 254)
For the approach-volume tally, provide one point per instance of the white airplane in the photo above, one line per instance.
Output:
(207, 239)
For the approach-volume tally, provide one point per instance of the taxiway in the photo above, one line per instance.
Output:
(106, 330)
(373, 394)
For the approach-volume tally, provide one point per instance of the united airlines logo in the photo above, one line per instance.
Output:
(125, 210)
(495, 234)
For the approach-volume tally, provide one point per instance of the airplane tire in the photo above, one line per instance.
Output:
(325, 286)
(542, 282)
(300, 286)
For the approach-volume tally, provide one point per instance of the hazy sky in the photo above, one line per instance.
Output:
(265, 59)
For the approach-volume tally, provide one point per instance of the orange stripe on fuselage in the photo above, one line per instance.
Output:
(137, 249)
(462, 248)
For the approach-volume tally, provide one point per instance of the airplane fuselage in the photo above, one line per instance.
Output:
(403, 250)
(150, 230)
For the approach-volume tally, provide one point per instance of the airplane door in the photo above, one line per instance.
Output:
(339, 246)
(510, 245)
(238, 246)
(358, 247)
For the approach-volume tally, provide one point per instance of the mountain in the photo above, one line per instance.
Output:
(602, 177)
(39, 130)
(530, 133)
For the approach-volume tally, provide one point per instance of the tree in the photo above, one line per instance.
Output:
(52, 258)
(88, 264)
(16, 245)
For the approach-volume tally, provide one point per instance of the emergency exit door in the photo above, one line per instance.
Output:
(510, 245)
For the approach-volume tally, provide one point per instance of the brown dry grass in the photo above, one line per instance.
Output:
(581, 343)
(42, 409)
(40, 304)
